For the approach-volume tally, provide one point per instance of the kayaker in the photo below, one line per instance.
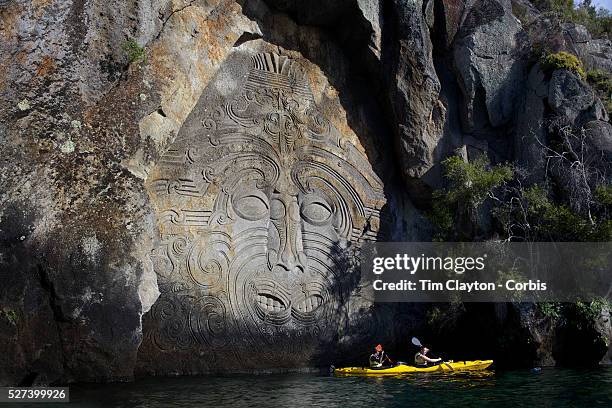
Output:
(421, 359)
(378, 358)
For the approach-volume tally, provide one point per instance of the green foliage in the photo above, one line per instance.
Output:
(560, 223)
(603, 195)
(520, 12)
(603, 201)
(434, 316)
(469, 185)
(600, 78)
(9, 314)
(519, 213)
(473, 182)
(441, 214)
(536, 199)
(135, 53)
(561, 8)
(549, 221)
(597, 20)
(581, 314)
(584, 314)
(563, 60)
(601, 81)
(593, 309)
(511, 273)
(444, 318)
(552, 310)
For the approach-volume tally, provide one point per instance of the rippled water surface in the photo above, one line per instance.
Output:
(549, 388)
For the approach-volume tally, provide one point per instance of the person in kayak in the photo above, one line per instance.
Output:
(378, 358)
(421, 359)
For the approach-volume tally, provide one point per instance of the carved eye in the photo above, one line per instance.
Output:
(277, 209)
(251, 206)
(316, 211)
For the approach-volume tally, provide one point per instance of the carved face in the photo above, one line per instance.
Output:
(255, 211)
(287, 271)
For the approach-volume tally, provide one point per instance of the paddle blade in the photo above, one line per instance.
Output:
(416, 342)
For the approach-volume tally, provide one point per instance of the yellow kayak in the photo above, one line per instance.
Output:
(475, 365)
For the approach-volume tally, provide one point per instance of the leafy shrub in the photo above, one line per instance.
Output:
(600, 78)
(584, 314)
(603, 195)
(444, 318)
(598, 21)
(470, 184)
(135, 53)
(520, 12)
(581, 314)
(441, 215)
(10, 315)
(561, 8)
(519, 212)
(563, 60)
(601, 81)
(552, 310)
(544, 220)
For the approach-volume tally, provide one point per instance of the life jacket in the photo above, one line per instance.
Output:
(419, 359)
(377, 358)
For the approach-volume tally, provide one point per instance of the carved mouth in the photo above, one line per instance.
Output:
(273, 302)
(309, 304)
(270, 303)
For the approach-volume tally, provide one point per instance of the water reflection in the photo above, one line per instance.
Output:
(550, 388)
(458, 379)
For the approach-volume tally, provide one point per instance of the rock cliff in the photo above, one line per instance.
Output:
(183, 182)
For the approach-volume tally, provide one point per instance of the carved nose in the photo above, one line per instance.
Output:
(291, 257)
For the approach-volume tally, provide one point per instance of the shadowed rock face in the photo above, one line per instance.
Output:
(255, 200)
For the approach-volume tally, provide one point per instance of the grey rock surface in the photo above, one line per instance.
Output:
(568, 95)
(599, 134)
(595, 53)
(450, 14)
(413, 89)
(531, 133)
(488, 64)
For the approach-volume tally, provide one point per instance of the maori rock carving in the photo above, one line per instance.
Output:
(253, 209)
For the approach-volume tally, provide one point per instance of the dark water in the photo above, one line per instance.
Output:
(549, 388)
